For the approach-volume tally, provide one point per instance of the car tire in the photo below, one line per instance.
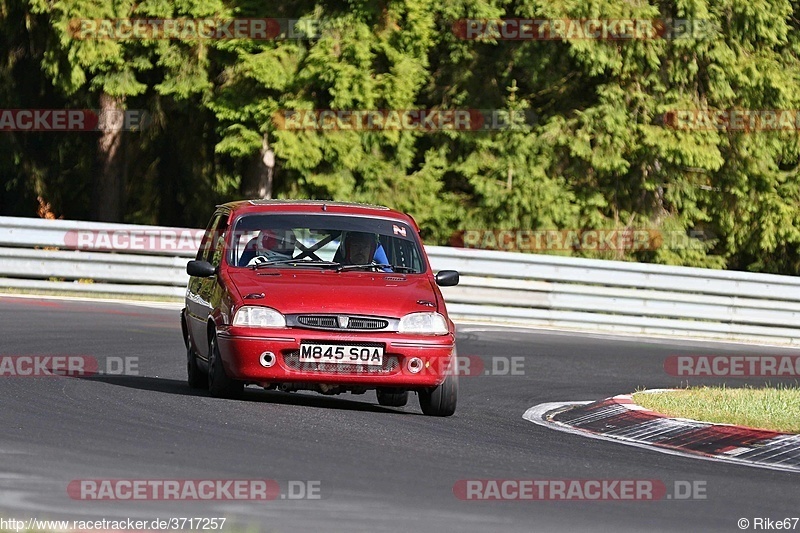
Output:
(390, 398)
(196, 378)
(219, 383)
(441, 400)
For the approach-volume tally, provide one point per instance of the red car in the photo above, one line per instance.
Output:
(324, 296)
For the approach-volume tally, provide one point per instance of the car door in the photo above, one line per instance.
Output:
(199, 304)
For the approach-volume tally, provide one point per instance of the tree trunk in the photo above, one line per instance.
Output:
(109, 183)
(257, 182)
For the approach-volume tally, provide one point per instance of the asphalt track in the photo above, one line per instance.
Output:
(379, 469)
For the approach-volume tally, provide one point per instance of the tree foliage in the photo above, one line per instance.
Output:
(597, 148)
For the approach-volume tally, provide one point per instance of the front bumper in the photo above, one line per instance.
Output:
(241, 349)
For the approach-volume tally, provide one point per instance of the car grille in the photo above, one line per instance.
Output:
(332, 322)
(367, 323)
(316, 321)
(292, 360)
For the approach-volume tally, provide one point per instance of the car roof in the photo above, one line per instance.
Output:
(316, 206)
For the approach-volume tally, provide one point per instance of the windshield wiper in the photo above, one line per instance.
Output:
(395, 268)
(295, 262)
(401, 268)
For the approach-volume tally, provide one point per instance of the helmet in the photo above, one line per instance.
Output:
(359, 239)
(280, 241)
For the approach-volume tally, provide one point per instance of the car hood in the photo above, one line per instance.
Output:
(303, 291)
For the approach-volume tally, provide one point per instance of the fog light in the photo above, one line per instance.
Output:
(415, 365)
(267, 359)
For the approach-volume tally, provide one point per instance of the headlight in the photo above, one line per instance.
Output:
(425, 323)
(259, 317)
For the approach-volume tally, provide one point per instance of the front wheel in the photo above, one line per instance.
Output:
(219, 383)
(390, 398)
(441, 400)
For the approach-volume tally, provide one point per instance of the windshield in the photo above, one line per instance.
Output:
(343, 243)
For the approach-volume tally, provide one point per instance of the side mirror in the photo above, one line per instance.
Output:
(447, 278)
(200, 269)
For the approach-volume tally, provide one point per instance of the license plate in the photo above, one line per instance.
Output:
(341, 353)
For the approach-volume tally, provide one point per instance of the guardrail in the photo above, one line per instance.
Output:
(503, 287)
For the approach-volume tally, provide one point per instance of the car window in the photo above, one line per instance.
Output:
(317, 238)
(218, 241)
(203, 253)
(213, 244)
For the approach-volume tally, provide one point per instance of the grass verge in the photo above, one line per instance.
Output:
(774, 408)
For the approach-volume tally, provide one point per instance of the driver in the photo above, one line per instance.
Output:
(364, 249)
(359, 248)
(271, 245)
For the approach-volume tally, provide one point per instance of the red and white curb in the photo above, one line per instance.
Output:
(618, 419)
